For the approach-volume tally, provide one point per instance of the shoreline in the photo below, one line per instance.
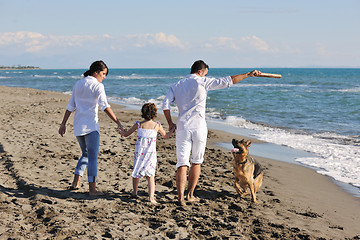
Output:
(25, 68)
(36, 169)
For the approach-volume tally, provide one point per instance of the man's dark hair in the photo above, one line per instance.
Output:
(198, 65)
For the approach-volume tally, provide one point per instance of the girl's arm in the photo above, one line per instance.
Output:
(163, 133)
(128, 132)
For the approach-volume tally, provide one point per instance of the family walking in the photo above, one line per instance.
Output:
(189, 94)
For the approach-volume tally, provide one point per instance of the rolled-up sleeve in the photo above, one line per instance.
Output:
(218, 83)
(169, 98)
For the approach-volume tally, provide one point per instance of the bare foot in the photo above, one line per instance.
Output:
(134, 195)
(72, 188)
(182, 203)
(154, 202)
(192, 199)
(96, 193)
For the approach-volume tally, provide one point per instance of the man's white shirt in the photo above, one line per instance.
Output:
(190, 96)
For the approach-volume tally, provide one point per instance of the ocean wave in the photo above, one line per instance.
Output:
(139, 77)
(139, 85)
(241, 122)
(56, 76)
(137, 102)
(128, 101)
(352, 90)
(336, 155)
(14, 72)
(270, 85)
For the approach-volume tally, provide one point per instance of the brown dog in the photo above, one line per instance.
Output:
(248, 173)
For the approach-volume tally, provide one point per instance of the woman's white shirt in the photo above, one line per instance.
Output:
(88, 95)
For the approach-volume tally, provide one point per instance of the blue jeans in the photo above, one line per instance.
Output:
(89, 145)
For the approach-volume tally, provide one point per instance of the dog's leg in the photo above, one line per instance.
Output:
(252, 190)
(246, 191)
(258, 181)
(237, 188)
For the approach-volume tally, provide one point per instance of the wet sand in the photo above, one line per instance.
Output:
(36, 170)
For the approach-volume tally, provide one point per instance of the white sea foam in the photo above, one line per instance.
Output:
(139, 77)
(136, 103)
(241, 122)
(333, 158)
(269, 85)
(353, 90)
(54, 76)
(129, 101)
(140, 85)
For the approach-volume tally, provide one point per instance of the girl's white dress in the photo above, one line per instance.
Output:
(145, 153)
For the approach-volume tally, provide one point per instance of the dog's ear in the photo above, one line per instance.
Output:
(234, 142)
(248, 143)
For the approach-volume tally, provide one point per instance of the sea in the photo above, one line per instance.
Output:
(310, 116)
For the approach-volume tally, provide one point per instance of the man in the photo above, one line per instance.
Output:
(190, 96)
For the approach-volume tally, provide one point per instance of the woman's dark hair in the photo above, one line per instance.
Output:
(97, 66)
(148, 111)
(198, 65)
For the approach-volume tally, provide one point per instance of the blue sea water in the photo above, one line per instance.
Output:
(316, 111)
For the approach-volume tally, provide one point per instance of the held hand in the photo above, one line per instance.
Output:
(254, 73)
(172, 127)
(62, 129)
(120, 127)
(121, 130)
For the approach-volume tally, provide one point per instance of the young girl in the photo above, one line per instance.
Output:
(145, 150)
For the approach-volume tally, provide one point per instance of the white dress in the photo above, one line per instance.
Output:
(145, 153)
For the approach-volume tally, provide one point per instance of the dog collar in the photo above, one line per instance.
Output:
(241, 163)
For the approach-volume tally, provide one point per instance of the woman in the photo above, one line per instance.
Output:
(88, 94)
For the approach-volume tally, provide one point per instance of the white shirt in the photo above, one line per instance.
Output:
(87, 95)
(190, 96)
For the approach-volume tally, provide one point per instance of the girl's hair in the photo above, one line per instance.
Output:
(148, 111)
(198, 65)
(96, 66)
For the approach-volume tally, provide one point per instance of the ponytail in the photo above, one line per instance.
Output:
(87, 73)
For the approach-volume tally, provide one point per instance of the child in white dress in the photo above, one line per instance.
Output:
(145, 149)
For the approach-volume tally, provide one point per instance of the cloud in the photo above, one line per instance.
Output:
(160, 39)
(37, 43)
(31, 42)
(321, 50)
(243, 44)
(256, 42)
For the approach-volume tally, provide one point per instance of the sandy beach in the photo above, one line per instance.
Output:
(36, 170)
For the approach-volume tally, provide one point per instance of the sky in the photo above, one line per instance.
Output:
(173, 34)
